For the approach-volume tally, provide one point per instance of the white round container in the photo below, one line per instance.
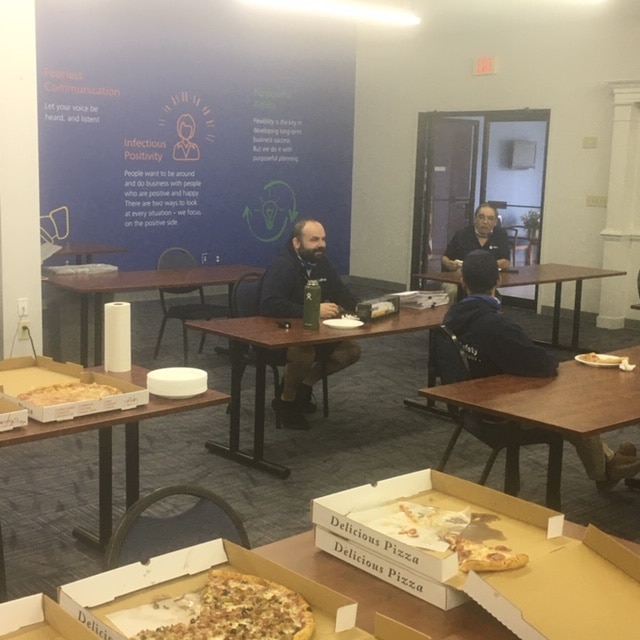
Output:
(177, 382)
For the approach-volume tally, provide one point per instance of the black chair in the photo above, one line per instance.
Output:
(179, 258)
(451, 365)
(172, 518)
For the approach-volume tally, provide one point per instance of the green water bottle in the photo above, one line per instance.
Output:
(311, 310)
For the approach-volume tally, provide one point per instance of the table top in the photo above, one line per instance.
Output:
(580, 400)
(265, 332)
(152, 279)
(156, 408)
(466, 622)
(531, 274)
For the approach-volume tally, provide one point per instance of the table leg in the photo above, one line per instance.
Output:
(512, 469)
(555, 332)
(132, 462)
(84, 329)
(98, 322)
(577, 305)
(233, 451)
(105, 494)
(554, 474)
(4, 596)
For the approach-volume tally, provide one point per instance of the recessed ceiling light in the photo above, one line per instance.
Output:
(348, 10)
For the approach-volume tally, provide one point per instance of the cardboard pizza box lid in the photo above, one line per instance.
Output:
(388, 629)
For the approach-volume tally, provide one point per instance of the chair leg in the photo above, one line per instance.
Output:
(447, 452)
(202, 337)
(185, 344)
(276, 391)
(159, 340)
(488, 466)
(554, 474)
(3, 576)
(512, 469)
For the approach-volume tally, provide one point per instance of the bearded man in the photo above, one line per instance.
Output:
(281, 294)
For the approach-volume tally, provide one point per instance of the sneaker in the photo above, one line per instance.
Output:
(290, 415)
(624, 464)
(305, 400)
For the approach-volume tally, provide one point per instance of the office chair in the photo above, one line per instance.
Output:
(172, 518)
(179, 258)
(245, 303)
(519, 240)
(451, 365)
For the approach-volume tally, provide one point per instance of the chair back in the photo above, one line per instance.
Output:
(450, 359)
(244, 296)
(178, 258)
(172, 518)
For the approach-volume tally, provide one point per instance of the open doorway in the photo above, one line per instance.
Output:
(465, 158)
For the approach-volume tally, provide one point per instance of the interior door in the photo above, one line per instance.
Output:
(448, 149)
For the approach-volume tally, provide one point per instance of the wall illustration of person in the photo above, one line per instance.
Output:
(185, 148)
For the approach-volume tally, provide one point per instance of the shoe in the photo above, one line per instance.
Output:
(305, 400)
(624, 464)
(290, 415)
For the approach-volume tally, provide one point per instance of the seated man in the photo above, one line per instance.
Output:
(494, 344)
(484, 234)
(281, 296)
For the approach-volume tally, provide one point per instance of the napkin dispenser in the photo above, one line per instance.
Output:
(378, 308)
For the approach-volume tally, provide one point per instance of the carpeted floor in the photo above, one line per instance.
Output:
(48, 487)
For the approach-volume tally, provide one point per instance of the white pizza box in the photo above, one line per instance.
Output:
(436, 593)
(37, 617)
(389, 629)
(18, 375)
(12, 415)
(588, 589)
(523, 526)
(92, 600)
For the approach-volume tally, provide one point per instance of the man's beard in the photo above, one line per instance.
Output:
(311, 255)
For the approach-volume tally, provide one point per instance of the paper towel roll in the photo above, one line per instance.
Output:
(117, 336)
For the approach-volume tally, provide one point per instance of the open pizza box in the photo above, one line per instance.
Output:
(588, 589)
(389, 629)
(38, 617)
(18, 375)
(493, 518)
(12, 415)
(117, 604)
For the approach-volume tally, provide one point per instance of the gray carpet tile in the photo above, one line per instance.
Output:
(47, 488)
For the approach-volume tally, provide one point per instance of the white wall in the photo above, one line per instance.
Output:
(19, 197)
(563, 66)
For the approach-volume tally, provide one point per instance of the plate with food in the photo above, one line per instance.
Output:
(600, 359)
(343, 323)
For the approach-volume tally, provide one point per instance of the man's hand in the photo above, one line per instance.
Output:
(451, 265)
(329, 310)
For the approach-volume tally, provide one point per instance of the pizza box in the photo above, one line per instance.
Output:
(92, 600)
(587, 589)
(18, 375)
(12, 415)
(37, 617)
(436, 593)
(388, 629)
(499, 519)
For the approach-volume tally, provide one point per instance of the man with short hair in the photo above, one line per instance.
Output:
(495, 344)
(281, 294)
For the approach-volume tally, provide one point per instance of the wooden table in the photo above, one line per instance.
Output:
(103, 422)
(265, 334)
(87, 250)
(99, 284)
(537, 274)
(466, 622)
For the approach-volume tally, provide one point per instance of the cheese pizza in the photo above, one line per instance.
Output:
(70, 392)
(243, 607)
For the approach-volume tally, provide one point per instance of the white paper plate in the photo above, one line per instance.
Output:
(405, 293)
(177, 382)
(604, 360)
(343, 323)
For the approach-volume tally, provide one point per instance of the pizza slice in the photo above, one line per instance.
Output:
(476, 556)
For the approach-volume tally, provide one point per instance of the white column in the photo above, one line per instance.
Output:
(621, 234)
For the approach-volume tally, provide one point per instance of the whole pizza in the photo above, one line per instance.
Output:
(53, 394)
(243, 607)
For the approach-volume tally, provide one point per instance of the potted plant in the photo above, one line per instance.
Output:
(531, 222)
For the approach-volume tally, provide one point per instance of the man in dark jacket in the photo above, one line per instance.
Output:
(495, 344)
(281, 296)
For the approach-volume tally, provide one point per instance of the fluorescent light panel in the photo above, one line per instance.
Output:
(349, 10)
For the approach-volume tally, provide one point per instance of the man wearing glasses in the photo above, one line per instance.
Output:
(484, 234)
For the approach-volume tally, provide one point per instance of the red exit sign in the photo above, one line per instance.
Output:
(484, 65)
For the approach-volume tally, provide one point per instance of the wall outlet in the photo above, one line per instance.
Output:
(217, 259)
(23, 331)
(23, 307)
(204, 258)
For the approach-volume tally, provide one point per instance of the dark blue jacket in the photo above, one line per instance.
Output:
(282, 285)
(495, 344)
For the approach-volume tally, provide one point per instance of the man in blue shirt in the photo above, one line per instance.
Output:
(495, 344)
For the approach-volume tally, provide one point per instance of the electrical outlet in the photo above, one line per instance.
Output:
(217, 259)
(23, 332)
(23, 307)
(204, 258)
